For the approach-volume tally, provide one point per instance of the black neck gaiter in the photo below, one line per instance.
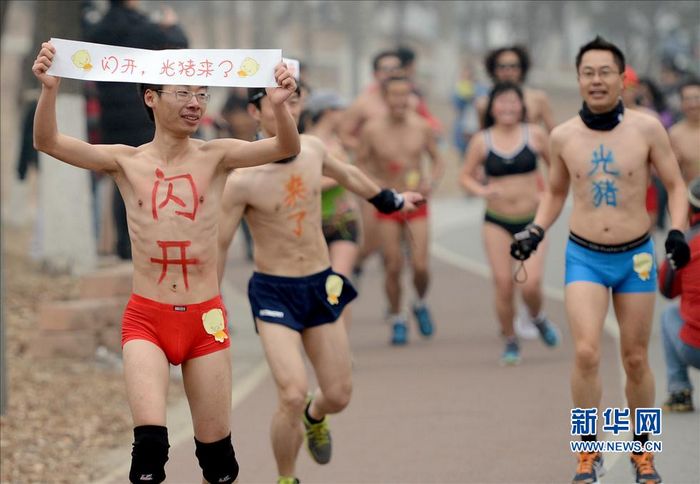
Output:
(603, 121)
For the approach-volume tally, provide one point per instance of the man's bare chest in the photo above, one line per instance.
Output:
(689, 146)
(285, 200)
(606, 167)
(604, 157)
(282, 189)
(374, 108)
(406, 145)
(172, 192)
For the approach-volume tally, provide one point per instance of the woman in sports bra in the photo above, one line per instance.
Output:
(507, 152)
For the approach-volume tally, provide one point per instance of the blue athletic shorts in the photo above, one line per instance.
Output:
(299, 302)
(623, 268)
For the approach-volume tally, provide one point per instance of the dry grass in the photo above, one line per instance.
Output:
(62, 414)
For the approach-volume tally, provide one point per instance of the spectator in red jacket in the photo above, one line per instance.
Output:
(681, 322)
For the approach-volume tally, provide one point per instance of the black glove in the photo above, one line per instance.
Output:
(526, 242)
(677, 249)
(387, 201)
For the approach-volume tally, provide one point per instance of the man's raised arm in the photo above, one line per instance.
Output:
(46, 136)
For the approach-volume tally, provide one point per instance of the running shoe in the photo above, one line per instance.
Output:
(425, 322)
(644, 470)
(318, 438)
(399, 333)
(548, 331)
(523, 325)
(589, 468)
(287, 480)
(511, 354)
(681, 401)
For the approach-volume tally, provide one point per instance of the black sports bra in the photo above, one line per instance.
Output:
(523, 160)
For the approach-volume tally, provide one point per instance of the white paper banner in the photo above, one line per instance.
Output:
(292, 67)
(188, 67)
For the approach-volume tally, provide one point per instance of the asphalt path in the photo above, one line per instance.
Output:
(441, 410)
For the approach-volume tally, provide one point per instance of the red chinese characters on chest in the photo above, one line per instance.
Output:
(181, 191)
(181, 261)
(294, 192)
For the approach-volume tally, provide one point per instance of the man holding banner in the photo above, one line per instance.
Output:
(172, 188)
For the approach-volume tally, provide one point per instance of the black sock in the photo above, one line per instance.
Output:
(589, 438)
(309, 418)
(643, 438)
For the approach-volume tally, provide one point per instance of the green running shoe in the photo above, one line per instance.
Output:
(287, 480)
(318, 438)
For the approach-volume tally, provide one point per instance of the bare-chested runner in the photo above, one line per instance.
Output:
(393, 146)
(685, 135)
(369, 105)
(295, 296)
(511, 64)
(605, 154)
(172, 189)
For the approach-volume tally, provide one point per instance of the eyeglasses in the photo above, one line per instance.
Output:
(508, 66)
(185, 96)
(604, 74)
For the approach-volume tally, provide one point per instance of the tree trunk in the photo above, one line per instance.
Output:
(66, 241)
(62, 20)
(3, 11)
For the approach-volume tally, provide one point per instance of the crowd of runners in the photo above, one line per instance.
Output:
(321, 184)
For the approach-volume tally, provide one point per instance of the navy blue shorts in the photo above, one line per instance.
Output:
(299, 302)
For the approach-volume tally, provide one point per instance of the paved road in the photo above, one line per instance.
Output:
(441, 410)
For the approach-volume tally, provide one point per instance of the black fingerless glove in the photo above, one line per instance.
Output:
(526, 242)
(677, 249)
(387, 201)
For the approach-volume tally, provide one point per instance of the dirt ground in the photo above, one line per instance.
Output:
(61, 413)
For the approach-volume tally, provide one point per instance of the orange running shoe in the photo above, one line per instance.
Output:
(589, 469)
(644, 470)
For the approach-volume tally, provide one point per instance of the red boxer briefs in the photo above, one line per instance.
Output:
(182, 332)
(401, 217)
